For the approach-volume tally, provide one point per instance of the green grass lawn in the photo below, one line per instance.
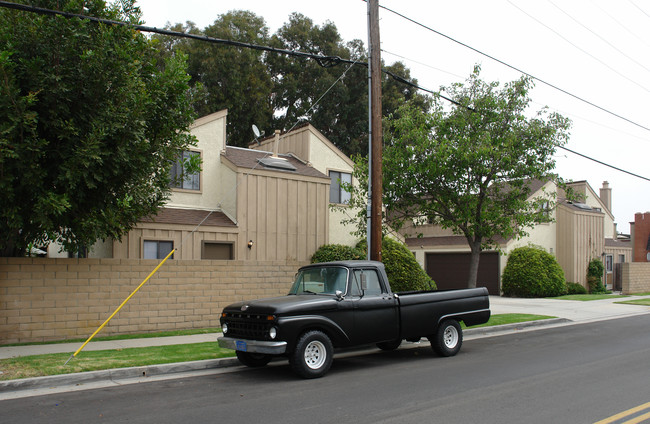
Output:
(644, 302)
(587, 297)
(501, 319)
(53, 364)
(128, 336)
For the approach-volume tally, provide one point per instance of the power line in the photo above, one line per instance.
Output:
(577, 47)
(598, 35)
(325, 61)
(603, 163)
(322, 60)
(515, 68)
(624, 27)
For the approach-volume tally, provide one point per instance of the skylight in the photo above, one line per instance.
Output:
(277, 163)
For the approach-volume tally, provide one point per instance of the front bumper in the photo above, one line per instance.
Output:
(255, 346)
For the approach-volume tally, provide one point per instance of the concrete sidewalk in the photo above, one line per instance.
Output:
(568, 312)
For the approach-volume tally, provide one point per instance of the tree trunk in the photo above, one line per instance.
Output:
(475, 257)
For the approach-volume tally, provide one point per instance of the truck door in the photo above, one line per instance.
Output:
(375, 310)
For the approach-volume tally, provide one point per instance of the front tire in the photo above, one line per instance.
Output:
(448, 339)
(313, 355)
(253, 360)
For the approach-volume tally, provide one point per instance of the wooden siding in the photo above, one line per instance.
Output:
(580, 238)
(287, 219)
(131, 245)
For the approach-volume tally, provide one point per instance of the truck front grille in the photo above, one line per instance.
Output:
(245, 326)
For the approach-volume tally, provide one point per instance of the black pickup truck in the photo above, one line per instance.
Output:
(344, 304)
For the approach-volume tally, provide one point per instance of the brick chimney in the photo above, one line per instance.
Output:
(606, 196)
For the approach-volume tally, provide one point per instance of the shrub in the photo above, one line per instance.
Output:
(575, 288)
(532, 272)
(336, 252)
(403, 271)
(594, 276)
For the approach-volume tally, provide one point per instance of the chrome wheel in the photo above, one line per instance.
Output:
(315, 354)
(450, 337)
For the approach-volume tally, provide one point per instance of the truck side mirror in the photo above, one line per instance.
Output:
(339, 295)
(364, 282)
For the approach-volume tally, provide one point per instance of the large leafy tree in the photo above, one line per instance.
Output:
(228, 77)
(277, 91)
(469, 166)
(90, 120)
(333, 98)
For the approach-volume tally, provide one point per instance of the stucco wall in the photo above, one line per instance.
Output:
(45, 299)
(211, 134)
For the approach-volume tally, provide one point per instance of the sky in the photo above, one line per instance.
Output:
(594, 50)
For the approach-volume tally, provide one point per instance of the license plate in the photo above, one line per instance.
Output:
(240, 345)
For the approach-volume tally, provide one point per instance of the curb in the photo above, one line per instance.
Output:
(114, 374)
(515, 327)
(180, 367)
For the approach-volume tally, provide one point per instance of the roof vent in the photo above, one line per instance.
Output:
(276, 163)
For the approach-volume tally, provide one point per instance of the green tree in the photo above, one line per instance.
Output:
(301, 86)
(90, 120)
(468, 167)
(228, 77)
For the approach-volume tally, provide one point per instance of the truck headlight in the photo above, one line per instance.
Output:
(273, 333)
(224, 327)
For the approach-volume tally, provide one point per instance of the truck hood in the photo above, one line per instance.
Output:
(284, 305)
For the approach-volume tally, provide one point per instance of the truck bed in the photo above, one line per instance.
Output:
(419, 319)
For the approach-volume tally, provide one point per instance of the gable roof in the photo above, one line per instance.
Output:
(250, 159)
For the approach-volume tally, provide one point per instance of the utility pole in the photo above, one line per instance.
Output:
(375, 180)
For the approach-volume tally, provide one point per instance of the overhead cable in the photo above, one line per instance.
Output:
(325, 61)
(515, 68)
(605, 64)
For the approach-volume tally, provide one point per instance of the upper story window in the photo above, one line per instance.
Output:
(180, 179)
(337, 193)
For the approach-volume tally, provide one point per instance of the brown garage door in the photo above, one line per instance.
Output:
(450, 270)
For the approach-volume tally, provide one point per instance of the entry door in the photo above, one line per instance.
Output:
(375, 311)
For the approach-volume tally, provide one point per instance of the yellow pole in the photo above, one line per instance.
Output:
(120, 307)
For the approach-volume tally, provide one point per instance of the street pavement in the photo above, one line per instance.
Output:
(567, 312)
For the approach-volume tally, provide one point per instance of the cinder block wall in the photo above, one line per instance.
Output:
(636, 277)
(45, 299)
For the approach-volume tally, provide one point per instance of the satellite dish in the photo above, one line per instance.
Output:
(256, 131)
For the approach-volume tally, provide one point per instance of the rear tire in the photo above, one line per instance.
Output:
(313, 355)
(448, 339)
(391, 345)
(253, 360)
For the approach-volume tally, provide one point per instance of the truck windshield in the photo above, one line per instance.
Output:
(321, 280)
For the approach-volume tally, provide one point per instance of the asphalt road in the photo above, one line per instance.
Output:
(574, 374)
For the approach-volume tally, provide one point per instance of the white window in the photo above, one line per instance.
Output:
(182, 180)
(155, 249)
(337, 193)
